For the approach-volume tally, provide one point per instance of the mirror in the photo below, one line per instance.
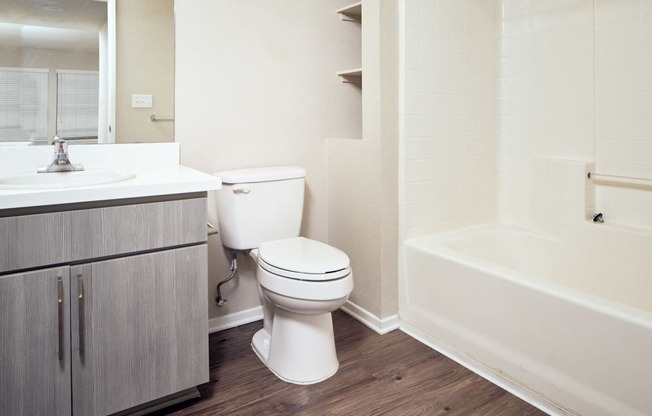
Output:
(72, 67)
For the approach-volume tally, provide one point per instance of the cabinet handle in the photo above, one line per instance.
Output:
(80, 294)
(60, 310)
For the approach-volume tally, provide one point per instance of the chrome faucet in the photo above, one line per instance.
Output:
(597, 217)
(60, 161)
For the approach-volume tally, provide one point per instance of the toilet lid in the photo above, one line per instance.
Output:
(310, 258)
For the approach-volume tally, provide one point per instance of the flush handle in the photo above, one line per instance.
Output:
(242, 189)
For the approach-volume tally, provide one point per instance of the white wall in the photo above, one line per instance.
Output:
(256, 86)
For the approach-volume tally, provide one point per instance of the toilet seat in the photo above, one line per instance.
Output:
(300, 258)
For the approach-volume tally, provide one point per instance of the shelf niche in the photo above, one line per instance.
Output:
(351, 13)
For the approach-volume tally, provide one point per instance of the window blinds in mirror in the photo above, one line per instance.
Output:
(77, 104)
(23, 105)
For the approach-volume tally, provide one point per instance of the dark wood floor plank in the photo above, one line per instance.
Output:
(389, 375)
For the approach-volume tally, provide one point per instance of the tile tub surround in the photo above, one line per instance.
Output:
(569, 80)
(156, 166)
(448, 89)
(477, 71)
(575, 84)
(571, 94)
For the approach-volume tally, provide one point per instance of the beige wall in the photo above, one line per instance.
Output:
(363, 174)
(387, 119)
(49, 58)
(256, 86)
(144, 65)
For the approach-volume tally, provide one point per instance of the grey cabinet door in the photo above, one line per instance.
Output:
(34, 343)
(144, 333)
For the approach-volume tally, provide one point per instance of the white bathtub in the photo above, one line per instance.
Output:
(566, 323)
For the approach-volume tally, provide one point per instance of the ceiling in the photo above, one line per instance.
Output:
(51, 24)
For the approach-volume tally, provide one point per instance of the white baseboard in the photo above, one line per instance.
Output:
(381, 326)
(235, 319)
(486, 373)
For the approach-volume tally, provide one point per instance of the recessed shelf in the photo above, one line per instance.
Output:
(351, 13)
(351, 76)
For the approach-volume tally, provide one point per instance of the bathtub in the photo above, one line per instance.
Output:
(564, 322)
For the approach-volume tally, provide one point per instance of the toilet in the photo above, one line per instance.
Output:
(300, 281)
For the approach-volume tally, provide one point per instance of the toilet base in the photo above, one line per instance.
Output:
(301, 349)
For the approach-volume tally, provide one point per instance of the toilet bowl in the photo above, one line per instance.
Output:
(302, 281)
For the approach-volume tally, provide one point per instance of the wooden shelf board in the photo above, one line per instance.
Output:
(351, 75)
(351, 13)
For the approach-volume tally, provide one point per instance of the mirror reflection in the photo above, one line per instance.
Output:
(80, 69)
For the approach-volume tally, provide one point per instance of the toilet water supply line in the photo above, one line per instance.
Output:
(234, 270)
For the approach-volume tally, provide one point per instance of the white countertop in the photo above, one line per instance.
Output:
(156, 167)
(148, 182)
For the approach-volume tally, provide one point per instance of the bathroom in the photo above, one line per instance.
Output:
(469, 112)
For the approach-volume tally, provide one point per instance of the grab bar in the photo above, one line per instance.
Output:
(631, 178)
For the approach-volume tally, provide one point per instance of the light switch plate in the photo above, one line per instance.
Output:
(141, 101)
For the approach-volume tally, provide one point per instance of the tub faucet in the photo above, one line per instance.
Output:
(597, 217)
(60, 161)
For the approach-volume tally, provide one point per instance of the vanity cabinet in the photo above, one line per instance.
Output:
(121, 322)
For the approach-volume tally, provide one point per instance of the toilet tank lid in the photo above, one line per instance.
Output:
(272, 173)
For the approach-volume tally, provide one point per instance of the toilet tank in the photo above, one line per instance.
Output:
(259, 204)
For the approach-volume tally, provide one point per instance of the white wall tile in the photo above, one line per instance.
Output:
(516, 82)
(457, 89)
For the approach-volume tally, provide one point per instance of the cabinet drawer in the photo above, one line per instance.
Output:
(123, 229)
(34, 240)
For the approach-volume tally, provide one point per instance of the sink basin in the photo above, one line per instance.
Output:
(87, 177)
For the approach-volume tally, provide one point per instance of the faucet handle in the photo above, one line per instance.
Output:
(60, 145)
(60, 161)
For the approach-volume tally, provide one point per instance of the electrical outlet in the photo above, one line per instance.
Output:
(141, 101)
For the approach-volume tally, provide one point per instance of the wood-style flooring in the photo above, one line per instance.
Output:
(390, 374)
